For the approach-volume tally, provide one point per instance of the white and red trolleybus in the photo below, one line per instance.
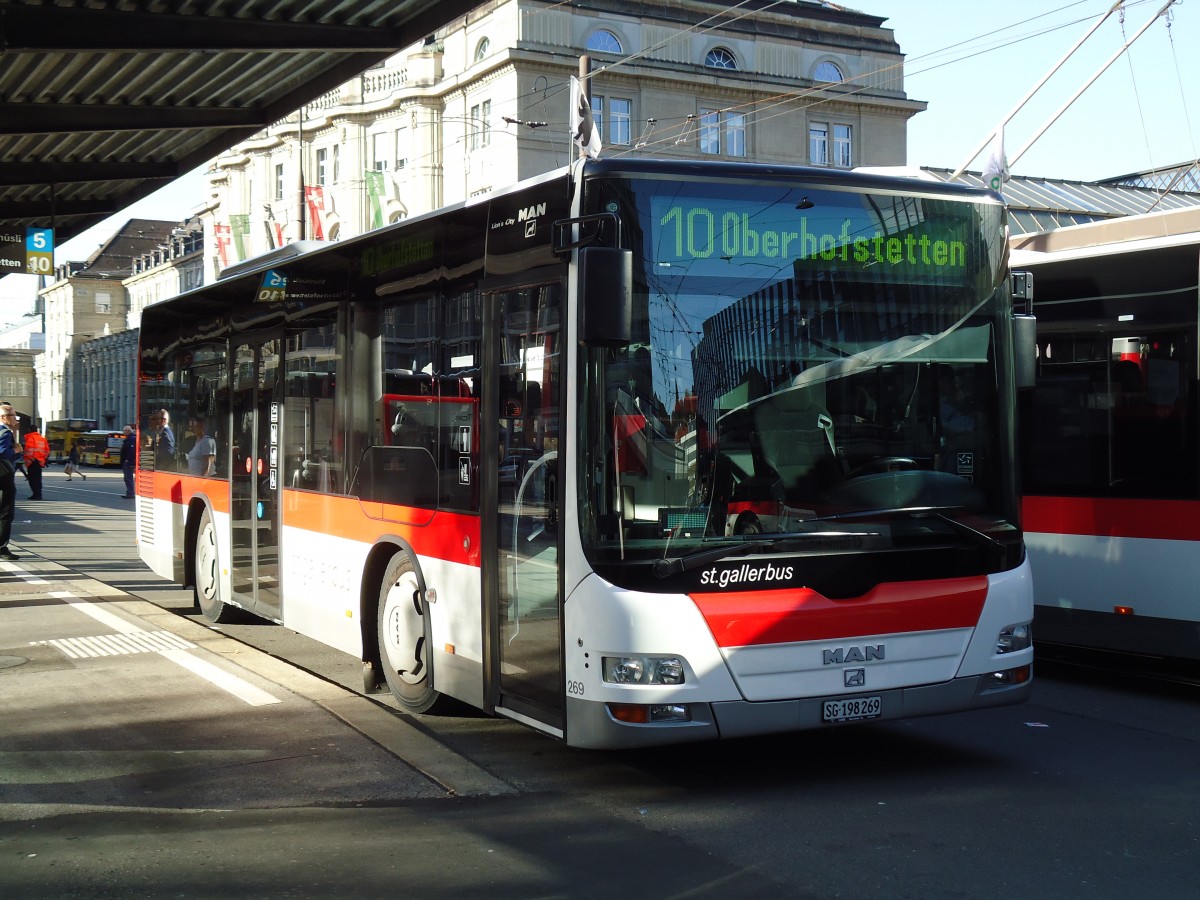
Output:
(641, 346)
(1112, 501)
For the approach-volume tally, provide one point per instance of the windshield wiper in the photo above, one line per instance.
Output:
(988, 543)
(677, 565)
(884, 512)
(980, 538)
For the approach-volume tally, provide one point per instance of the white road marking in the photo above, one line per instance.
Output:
(129, 636)
(243, 690)
(119, 644)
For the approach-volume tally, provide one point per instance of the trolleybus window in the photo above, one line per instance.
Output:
(1111, 469)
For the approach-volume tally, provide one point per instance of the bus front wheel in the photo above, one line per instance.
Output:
(404, 637)
(207, 588)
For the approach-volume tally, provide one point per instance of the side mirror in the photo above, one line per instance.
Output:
(605, 296)
(1025, 350)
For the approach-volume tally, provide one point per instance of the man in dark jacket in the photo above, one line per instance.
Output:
(128, 459)
(10, 461)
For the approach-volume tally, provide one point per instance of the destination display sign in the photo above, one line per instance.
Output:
(848, 237)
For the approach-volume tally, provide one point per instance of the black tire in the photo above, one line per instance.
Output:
(402, 624)
(207, 580)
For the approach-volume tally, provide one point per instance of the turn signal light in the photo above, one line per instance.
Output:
(634, 713)
(645, 714)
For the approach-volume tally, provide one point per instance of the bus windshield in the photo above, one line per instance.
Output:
(806, 362)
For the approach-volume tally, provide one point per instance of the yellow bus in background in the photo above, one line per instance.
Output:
(62, 434)
(100, 447)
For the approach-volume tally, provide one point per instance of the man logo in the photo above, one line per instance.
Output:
(842, 655)
(855, 678)
(531, 212)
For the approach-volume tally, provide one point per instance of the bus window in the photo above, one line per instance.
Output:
(208, 389)
(312, 458)
(428, 413)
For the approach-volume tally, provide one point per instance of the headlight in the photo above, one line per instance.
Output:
(1014, 638)
(643, 669)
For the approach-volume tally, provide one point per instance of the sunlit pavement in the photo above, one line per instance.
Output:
(144, 754)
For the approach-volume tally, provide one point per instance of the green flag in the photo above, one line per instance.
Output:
(239, 224)
(375, 194)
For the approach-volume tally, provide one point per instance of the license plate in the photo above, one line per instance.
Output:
(851, 709)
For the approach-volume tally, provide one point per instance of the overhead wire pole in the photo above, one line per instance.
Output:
(1062, 109)
(1016, 109)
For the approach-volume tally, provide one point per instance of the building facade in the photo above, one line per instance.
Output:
(485, 102)
(17, 382)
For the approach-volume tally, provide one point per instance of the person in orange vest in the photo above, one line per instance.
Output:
(37, 454)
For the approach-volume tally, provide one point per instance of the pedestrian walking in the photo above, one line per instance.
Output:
(37, 455)
(10, 461)
(128, 459)
(72, 466)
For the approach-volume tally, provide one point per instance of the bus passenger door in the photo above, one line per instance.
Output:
(523, 586)
(254, 474)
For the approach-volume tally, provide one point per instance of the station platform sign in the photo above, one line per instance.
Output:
(27, 250)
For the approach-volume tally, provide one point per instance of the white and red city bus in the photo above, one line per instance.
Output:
(1111, 506)
(492, 451)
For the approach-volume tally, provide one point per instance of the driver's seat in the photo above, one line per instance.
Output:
(795, 436)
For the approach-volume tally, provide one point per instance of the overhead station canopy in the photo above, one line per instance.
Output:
(102, 102)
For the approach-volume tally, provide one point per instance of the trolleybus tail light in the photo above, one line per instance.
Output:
(649, 713)
(1014, 638)
(1123, 610)
(643, 669)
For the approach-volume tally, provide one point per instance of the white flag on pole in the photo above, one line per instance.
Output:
(995, 170)
(583, 128)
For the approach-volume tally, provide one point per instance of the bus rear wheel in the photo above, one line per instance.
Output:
(403, 630)
(207, 587)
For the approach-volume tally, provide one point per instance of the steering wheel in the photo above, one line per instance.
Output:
(747, 523)
(884, 464)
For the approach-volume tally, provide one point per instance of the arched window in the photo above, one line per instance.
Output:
(828, 72)
(482, 49)
(603, 41)
(720, 58)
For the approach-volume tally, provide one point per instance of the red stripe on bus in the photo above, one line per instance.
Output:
(449, 536)
(1175, 520)
(749, 618)
(182, 488)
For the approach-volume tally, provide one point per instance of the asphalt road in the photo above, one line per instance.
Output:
(248, 762)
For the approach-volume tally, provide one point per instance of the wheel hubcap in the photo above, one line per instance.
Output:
(404, 630)
(206, 564)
